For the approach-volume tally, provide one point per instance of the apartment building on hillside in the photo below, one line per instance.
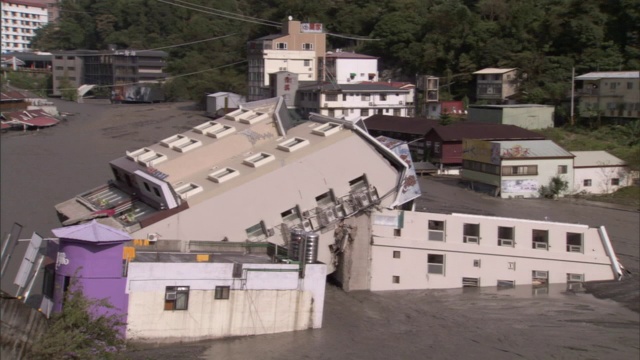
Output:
(20, 20)
(609, 94)
(495, 85)
(300, 49)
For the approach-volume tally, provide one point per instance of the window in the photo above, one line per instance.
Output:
(629, 85)
(506, 236)
(395, 279)
(176, 298)
(325, 199)
(281, 46)
(435, 264)
(156, 191)
(307, 46)
(396, 254)
(383, 97)
(520, 170)
(293, 144)
(586, 182)
(291, 216)
(397, 232)
(222, 292)
(471, 233)
(397, 112)
(326, 129)
(540, 239)
(146, 186)
(331, 113)
(539, 278)
(365, 97)
(562, 169)
(256, 232)
(575, 277)
(331, 97)
(574, 242)
(613, 86)
(436, 230)
(615, 182)
(223, 175)
(436, 147)
(364, 112)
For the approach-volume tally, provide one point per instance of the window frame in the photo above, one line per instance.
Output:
(435, 229)
(505, 241)
(571, 248)
(432, 264)
(587, 183)
(467, 235)
(222, 293)
(535, 239)
(179, 292)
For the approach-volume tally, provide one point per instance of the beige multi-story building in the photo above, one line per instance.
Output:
(20, 20)
(300, 49)
(610, 94)
(495, 86)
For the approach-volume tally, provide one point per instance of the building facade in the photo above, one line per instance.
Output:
(610, 94)
(494, 86)
(598, 172)
(20, 20)
(72, 69)
(300, 49)
(353, 101)
(347, 67)
(418, 250)
(527, 116)
(516, 168)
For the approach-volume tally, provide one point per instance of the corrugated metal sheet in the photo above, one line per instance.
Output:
(531, 149)
(610, 75)
(595, 158)
(493, 71)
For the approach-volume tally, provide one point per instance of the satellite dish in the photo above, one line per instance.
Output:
(290, 17)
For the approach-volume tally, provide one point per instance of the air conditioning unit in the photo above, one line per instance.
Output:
(331, 216)
(505, 242)
(363, 199)
(471, 239)
(576, 286)
(540, 274)
(153, 237)
(306, 214)
(171, 295)
(575, 248)
(576, 277)
(540, 245)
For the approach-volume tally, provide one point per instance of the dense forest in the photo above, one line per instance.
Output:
(545, 39)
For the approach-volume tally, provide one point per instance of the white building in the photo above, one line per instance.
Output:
(348, 68)
(352, 101)
(176, 297)
(416, 250)
(20, 19)
(300, 49)
(223, 100)
(598, 172)
(224, 180)
(516, 168)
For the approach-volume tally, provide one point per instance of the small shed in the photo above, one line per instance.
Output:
(222, 100)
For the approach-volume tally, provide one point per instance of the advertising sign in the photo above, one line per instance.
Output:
(481, 151)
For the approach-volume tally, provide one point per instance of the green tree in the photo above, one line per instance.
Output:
(80, 331)
(557, 186)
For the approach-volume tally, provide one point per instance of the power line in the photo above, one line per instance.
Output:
(353, 37)
(188, 43)
(261, 22)
(230, 13)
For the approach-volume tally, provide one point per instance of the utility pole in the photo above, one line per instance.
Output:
(573, 82)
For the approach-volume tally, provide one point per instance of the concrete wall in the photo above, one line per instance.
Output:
(536, 117)
(269, 298)
(21, 327)
(547, 169)
(496, 262)
(600, 178)
(361, 67)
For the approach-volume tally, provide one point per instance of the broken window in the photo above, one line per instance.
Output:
(540, 239)
(574, 242)
(176, 298)
(471, 233)
(435, 264)
(506, 236)
(436, 230)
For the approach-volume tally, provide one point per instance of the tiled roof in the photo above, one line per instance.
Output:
(483, 131)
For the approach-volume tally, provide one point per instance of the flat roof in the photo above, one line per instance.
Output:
(348, 55)
(609, 75)
(595, 158)
(360, 87)
(493, 71)
(192, 257)
(513, 106)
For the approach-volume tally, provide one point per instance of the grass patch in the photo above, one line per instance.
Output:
(37, 83)
(628, 196)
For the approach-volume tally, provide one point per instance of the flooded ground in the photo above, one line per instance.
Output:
(41, 169)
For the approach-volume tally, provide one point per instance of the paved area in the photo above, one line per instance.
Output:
(41, 169)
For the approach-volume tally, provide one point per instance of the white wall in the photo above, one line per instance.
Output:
(601, 179)
(37, 17)
(278, 60)
(269, 298)
(547, 169)
(360, 67)
(231, 212)
(496, 262)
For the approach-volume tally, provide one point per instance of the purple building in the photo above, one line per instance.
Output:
(92, 255)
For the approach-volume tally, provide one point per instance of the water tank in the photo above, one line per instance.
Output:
(311, 249)
(295, 244)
